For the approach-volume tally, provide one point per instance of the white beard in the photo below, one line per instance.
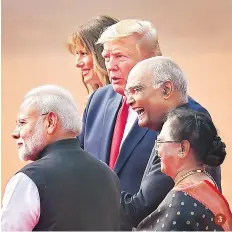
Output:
(33, 145)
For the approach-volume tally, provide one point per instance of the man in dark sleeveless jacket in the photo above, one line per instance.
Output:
(65, 188)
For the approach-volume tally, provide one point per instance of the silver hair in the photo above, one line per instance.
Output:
(53, 98)
(164, 69)
(148, 38)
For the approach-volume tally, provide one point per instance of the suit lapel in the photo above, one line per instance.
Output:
(133, 138)
(109, 119)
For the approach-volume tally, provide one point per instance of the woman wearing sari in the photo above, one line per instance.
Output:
(187, 142)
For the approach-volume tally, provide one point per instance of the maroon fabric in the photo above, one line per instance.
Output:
(118, 133)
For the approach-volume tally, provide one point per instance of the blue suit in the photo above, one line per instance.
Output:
(98, 126)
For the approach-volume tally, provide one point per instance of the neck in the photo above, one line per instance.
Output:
(176, 103)
(186, 170)
(95, 86)
(61, 136)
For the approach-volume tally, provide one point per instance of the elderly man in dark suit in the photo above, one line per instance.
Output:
(113, 127)
(154, 87)
(65, 188)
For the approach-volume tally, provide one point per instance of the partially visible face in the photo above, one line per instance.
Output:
(168, 151)
(120, 57)
(29, 133)
(84, 61)
(145, 99)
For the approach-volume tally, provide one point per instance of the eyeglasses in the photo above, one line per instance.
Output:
(157, 143)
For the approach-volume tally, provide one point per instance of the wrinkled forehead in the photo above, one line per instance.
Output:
(138, 76)
(127, 44)
(27, 109)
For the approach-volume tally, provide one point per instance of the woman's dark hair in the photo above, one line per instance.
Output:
(87, 35)
(198, 128)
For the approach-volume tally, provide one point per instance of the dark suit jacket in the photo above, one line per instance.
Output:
(98, 126)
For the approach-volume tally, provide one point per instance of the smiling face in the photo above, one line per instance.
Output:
(120, 57)
(145, 99)
(84, 61)
(29, 133)
(168, 150)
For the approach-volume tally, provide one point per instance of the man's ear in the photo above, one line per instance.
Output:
(51, 122)
(167, 89)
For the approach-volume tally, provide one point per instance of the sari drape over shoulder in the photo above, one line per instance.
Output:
(191, 207)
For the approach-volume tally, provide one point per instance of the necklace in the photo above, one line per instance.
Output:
(187, 174)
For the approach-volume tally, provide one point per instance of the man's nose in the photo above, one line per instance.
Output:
(129, 100)
(111, 65)
(15, 133)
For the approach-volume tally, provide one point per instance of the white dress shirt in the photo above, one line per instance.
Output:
(132, 116)
(20, 205)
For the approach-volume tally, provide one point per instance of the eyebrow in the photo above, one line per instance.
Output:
(104, 52)
(81, 50)
(133, 87)
(137, 86)
(114, 52)
(21, 120)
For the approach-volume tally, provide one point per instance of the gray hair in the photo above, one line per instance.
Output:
(164, 69)
(147, 33)
(53, 98)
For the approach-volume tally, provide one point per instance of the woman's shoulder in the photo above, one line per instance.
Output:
(185, 211)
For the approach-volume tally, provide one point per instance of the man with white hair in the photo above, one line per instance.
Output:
(60, 189)
(109, 123)
(154, 87)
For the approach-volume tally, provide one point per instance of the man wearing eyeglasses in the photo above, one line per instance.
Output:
(65, 188)
(154, 87)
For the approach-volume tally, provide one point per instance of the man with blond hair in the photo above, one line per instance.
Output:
(108, 122)
(60, 189)
(113, 127)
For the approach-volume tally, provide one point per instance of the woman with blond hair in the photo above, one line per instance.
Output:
(88, 54)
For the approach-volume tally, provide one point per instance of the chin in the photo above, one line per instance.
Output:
(87, 80)
(24, 157)
(155, 126)
(143, 124)
(163, 169)
(29, 156)
(118, 89)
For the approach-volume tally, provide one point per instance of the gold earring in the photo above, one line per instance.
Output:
(181, 155)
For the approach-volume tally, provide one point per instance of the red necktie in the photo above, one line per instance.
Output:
(118, 133)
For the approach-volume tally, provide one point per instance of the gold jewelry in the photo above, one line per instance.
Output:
(195, 172)
(181, 155)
